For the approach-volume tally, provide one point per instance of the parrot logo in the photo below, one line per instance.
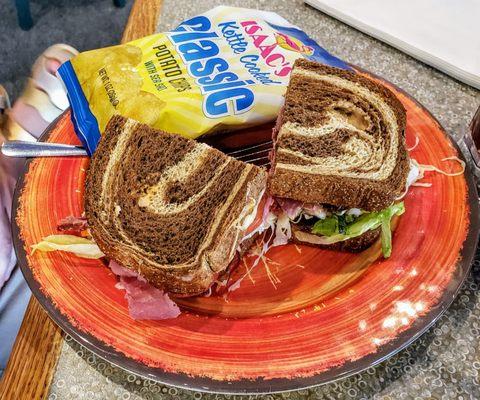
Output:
(293, 44)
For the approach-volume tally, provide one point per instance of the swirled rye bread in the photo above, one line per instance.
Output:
(169, 208)
(339, 141)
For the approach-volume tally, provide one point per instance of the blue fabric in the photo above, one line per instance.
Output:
(24, 16)
(14, 297)
(14, 292)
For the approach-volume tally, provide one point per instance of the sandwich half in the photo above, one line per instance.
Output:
(340, 160)
(174, 210)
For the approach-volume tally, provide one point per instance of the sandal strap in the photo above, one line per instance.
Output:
(28, 118)
(49, 84)
(60, 52)
(44, 98)
(13, 131)
(38, 99)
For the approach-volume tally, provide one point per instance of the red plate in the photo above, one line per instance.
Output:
(329, 315)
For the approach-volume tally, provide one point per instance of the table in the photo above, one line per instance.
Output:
(443, 363)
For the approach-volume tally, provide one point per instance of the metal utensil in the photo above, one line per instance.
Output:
(19, 148)
(256, 154)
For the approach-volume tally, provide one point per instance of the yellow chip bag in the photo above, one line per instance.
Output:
(225, 69)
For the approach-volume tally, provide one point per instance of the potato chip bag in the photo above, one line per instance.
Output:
(222, 70)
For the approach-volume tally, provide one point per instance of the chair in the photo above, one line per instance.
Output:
(25, 17)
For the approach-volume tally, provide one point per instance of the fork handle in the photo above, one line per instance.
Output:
(18, 148)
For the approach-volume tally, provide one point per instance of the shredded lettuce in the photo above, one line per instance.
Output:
(79, 246)
(333, 225)
(338, 228)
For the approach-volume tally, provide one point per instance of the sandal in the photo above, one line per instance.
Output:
(4, 105)
(43, 99)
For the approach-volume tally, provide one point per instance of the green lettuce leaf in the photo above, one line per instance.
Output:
(334, 225)
(335, 229)
(327, 227)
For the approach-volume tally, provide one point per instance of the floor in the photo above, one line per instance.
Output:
(85, 24)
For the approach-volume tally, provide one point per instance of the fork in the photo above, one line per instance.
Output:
(255, 154)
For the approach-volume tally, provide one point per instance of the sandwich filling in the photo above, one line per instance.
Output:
(326, 225)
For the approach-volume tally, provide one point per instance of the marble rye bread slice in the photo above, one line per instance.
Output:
(339, 140)
(168, 207)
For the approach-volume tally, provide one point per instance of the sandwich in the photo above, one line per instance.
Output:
(339, 161)
(172, 210)
(177, 213)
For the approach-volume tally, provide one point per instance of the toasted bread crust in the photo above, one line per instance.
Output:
(340, 191)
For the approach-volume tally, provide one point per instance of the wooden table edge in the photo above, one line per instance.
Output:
(32, 363)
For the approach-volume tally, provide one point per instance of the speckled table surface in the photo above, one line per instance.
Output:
(445, 362)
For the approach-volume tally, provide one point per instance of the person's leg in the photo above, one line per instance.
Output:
(39, 104)
(14, 292)
(14, 297)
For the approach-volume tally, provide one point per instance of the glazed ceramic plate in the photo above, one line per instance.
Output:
(302, 317)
